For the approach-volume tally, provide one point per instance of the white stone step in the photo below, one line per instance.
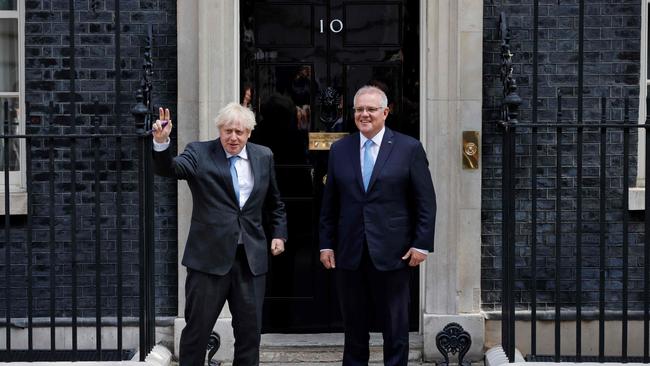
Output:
(306, 349)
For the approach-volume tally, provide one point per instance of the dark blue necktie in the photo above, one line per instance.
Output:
(233, 174)
(368, 164)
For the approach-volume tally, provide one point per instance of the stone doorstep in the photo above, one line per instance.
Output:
(322, 348)
(324, 364)
(321, 355)
(271, 340)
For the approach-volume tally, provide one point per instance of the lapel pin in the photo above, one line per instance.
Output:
(390, 141)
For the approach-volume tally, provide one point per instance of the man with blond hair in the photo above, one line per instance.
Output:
(233, 187)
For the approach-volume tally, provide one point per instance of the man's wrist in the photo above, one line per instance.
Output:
(161, 146)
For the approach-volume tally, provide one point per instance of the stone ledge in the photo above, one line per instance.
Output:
(159, 356)
(17, 203)
(636, 199)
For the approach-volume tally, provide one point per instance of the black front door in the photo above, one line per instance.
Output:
(301, 63)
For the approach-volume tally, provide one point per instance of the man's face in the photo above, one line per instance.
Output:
(369, 115)
(233, 137)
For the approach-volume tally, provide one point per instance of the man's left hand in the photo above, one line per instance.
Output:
(277, 246)
(415, 257)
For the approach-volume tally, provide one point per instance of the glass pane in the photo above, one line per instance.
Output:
(283, 25)
(8, 5)
(8, 55)
(368, 25)
(9, 118)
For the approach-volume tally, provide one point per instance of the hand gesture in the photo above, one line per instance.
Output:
(162, 127)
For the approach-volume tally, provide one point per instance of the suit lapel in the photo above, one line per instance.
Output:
(355, 148)
(223, 169)
(384, 153)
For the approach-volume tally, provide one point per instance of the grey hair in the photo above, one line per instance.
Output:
(235, 112)
(369, 89)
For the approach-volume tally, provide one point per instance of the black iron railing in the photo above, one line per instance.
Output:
(509, 114)
(565, 189)
(89, 214)
(567, 228)
(63, 242)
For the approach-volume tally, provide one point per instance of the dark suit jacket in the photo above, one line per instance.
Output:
(397, 212)
(216, 216)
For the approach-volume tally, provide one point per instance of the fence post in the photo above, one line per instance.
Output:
(509, 114)
(142, 112)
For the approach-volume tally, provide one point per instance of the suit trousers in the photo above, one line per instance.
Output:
(386, 293)
(206, 295)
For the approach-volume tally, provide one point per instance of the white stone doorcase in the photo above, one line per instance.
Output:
(451, 36)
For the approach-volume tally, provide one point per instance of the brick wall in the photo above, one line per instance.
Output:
(611, 69)
(47, 74)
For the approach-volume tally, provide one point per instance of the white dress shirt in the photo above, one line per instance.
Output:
(244, 176)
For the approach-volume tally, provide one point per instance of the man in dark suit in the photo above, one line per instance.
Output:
(377, 220)
(233, 186)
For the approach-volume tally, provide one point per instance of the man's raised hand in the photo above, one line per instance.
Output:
(162, 128)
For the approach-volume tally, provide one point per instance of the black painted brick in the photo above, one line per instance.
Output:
(47, 79)
(611, 69)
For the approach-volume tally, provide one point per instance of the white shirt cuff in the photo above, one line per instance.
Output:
(161, 147)
(423, 251)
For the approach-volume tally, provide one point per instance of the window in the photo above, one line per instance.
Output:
(12, 101)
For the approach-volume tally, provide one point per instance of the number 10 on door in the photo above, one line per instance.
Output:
(336, 25)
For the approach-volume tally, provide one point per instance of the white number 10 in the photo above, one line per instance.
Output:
(337, 22)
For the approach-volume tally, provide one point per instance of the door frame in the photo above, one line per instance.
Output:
(220, 83)
(451, 46)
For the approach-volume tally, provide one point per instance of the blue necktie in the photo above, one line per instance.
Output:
(233, 174)
(368, 164)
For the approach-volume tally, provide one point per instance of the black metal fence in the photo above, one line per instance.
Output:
(89, 214)
(561, 228)
(565, 189)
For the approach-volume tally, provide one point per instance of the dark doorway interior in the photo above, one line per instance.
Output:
(301, 63)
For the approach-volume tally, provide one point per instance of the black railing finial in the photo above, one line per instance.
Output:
(511, 100)
(139, 111)
(143, 109)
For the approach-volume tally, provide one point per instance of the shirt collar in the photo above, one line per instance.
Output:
(242, 154)
(376, 139)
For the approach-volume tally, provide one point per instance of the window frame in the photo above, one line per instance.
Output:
(17, 179)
